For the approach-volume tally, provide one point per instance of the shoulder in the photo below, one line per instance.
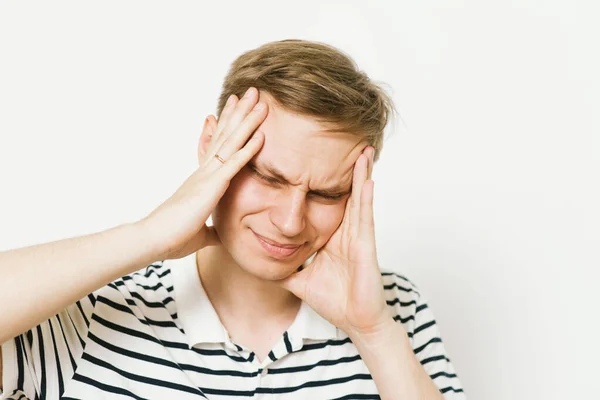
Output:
(147, 289)
(151, 278)
(410, 309)
(399, 286)
(405, 300)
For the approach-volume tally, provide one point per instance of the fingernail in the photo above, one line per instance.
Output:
(229, 100)
(259, 106)
(250, 93)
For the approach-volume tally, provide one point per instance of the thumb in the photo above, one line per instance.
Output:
(212, 238)
(207, 236)
(297, 283)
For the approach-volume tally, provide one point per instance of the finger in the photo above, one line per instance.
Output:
(212, 238)
(358, 180)
(206, 236)
(297, 283)
(226, 113)
(238, 139)
(370, 157)
(350, 204)
(242, 108)
(367, 221)
(237, 161)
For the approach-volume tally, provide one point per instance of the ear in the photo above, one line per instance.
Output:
(208, 130)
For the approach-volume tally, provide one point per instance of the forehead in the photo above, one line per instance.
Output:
(299, 146)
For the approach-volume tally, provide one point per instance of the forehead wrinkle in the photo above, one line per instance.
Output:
(309, 156)
(273, 171)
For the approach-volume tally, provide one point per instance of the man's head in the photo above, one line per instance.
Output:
(314, 80)
(323, 112)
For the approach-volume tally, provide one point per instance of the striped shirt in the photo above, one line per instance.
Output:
(154, 334)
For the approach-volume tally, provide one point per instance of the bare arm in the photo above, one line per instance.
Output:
(393, 365)
(40, 281)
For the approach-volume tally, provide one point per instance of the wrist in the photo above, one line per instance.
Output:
(148, 235)
(378, 336)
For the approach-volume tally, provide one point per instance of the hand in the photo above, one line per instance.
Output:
(343, 282)
(178, 226)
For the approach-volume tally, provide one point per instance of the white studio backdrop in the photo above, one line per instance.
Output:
(486, 193)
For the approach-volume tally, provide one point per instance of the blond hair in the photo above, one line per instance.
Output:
(316, 80)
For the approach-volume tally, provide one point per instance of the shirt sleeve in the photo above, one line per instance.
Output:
(38, 363)
(412, 311)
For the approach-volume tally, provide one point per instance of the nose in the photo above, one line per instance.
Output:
(288, 212)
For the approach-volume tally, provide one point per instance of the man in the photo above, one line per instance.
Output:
(282, 297)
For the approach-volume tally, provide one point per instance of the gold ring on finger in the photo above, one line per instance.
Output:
(218, 157)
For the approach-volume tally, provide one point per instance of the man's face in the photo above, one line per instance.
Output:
(290, 198)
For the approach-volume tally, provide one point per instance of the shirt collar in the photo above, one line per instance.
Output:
(310, 325)
(201, 322)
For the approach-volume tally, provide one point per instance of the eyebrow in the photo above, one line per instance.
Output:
(337, 190)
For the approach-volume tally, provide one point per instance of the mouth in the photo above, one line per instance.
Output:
(275, 249)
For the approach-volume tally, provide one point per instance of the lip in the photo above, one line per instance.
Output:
(275, 249)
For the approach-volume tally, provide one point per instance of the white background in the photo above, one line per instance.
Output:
(487, 192)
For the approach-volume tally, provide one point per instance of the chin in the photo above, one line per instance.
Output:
(269, 270)
(251, 257)
(256, 262)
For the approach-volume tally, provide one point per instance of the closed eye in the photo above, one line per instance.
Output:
(274, 181)
(329, 197)
(263, 177)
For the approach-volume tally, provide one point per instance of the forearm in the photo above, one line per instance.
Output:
(39, 281)
(396, 371)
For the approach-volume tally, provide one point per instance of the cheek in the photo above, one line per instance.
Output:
(244, 195)
(326, 218)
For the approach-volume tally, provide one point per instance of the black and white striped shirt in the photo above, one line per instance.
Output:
(154, 334)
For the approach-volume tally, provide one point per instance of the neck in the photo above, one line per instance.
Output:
(240, 296)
